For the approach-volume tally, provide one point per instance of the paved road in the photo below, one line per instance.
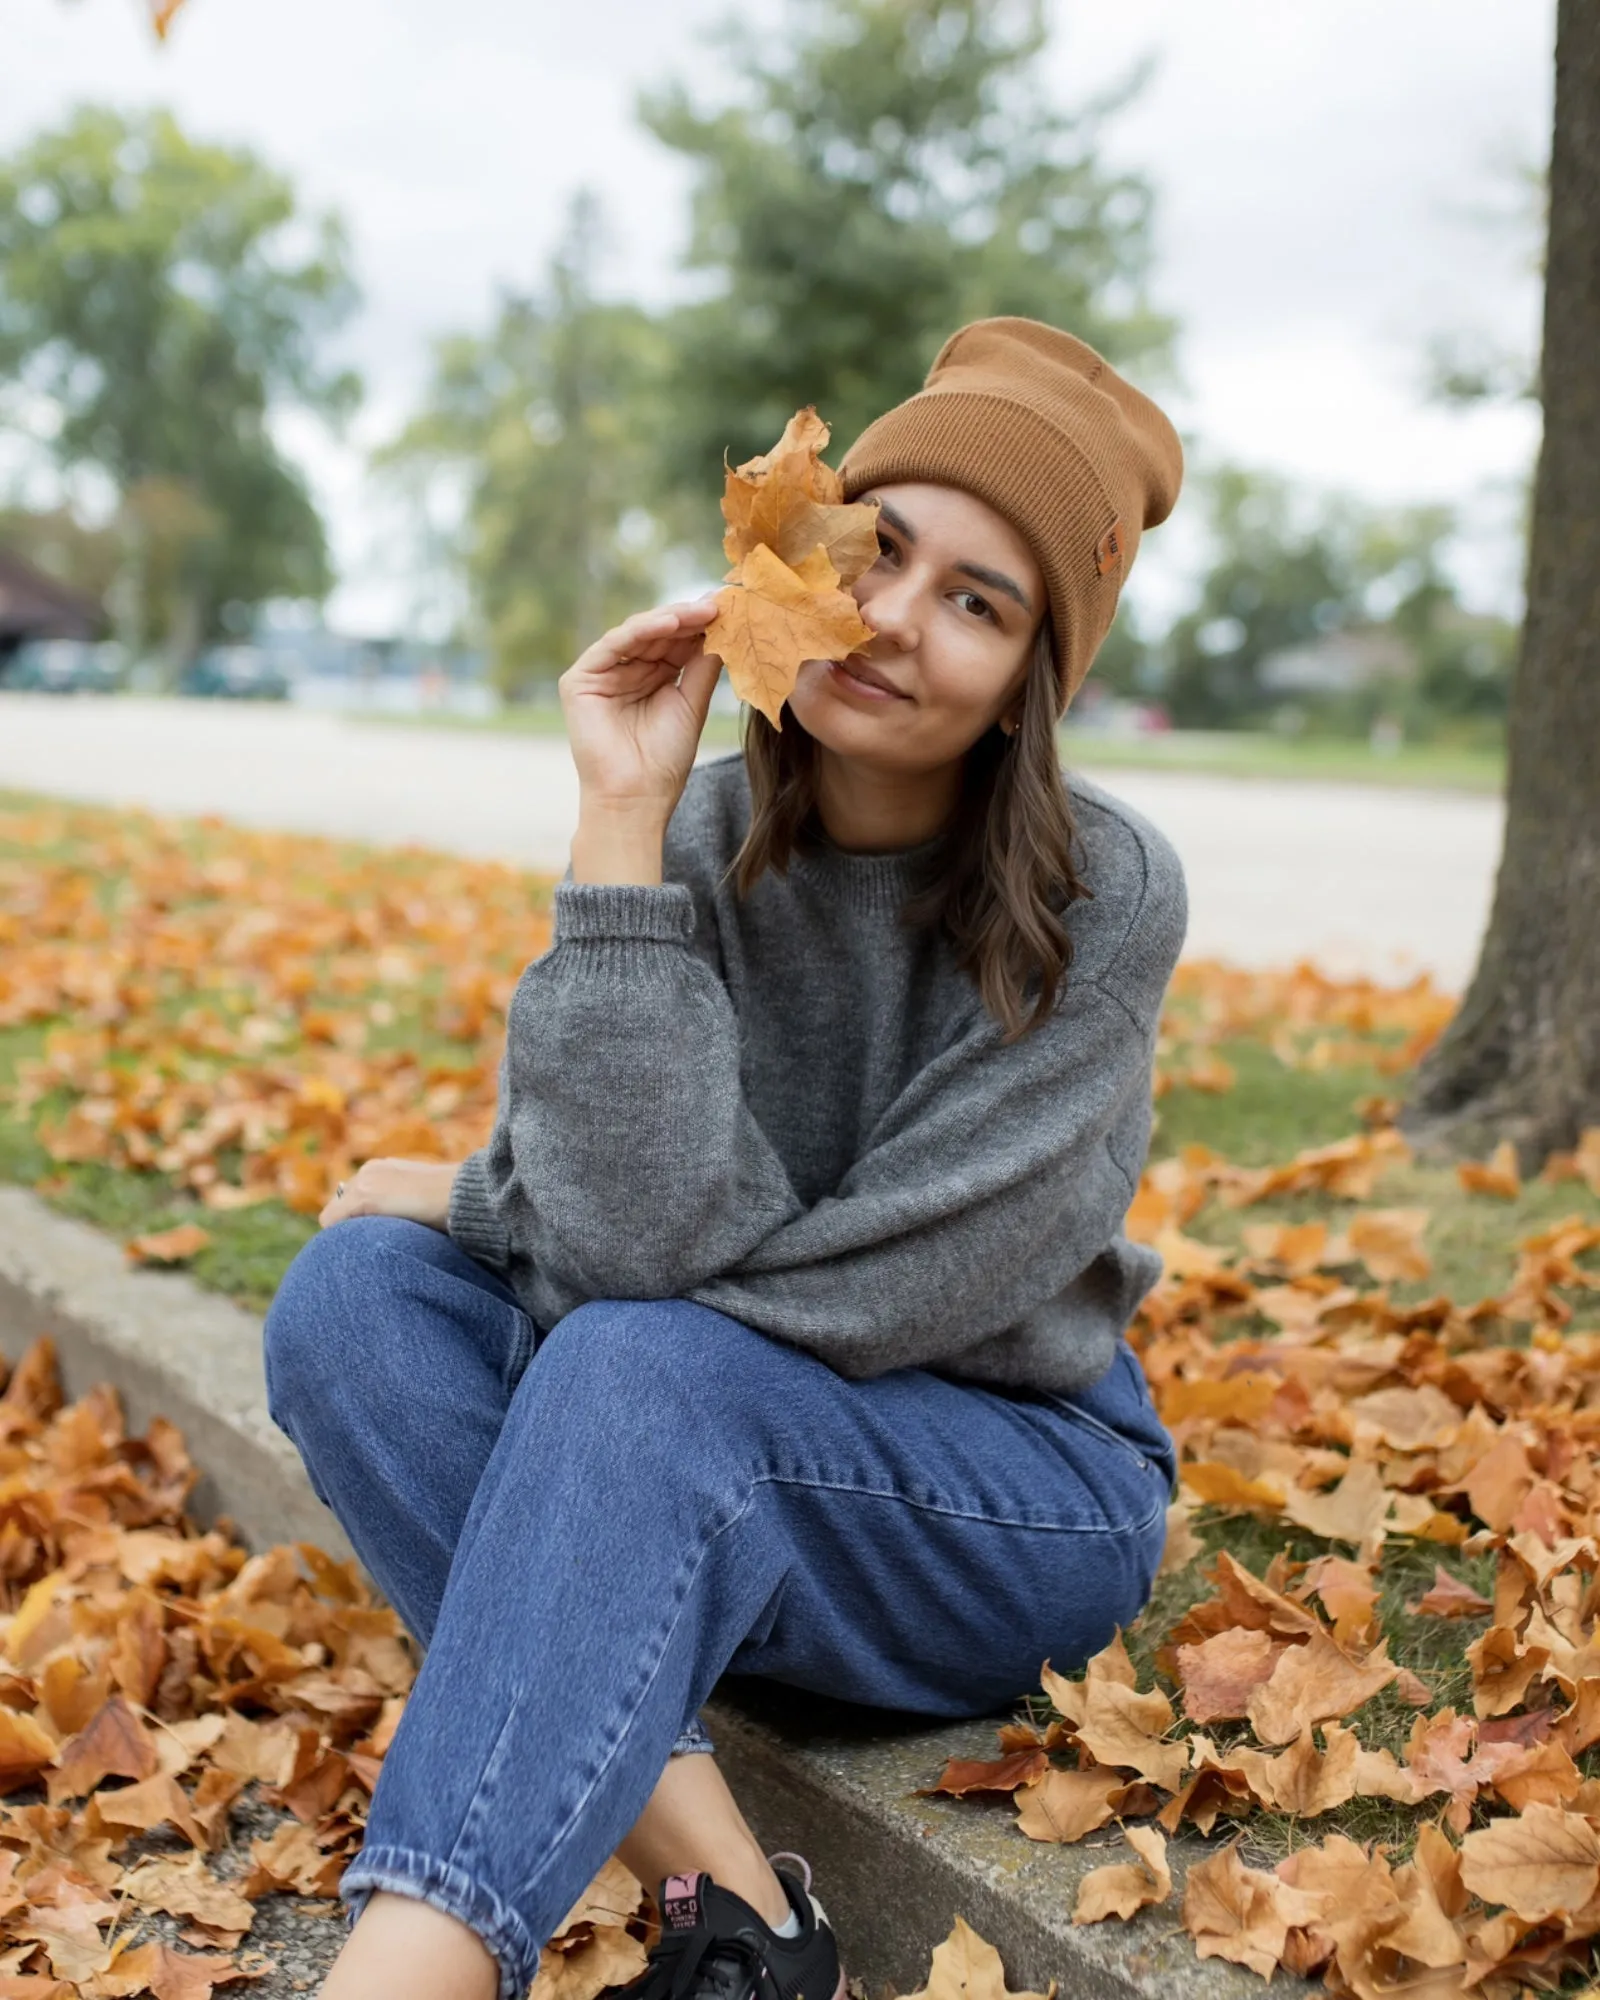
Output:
(1359, 879)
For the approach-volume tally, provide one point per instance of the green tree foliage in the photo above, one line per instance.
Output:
(161, 299)
(885, 171)
(1287, 571)
(543, 428)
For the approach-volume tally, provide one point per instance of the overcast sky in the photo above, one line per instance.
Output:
(1319, 166)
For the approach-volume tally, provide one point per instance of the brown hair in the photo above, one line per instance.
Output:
(1004, 873)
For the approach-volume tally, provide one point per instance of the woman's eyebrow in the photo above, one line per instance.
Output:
(996, 579)
(897, 521)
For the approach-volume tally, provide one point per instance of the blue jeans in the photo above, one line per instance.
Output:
(585, 1530)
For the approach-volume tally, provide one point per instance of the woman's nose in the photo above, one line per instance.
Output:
(889, 607)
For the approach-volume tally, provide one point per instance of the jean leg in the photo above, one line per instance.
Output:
(673, 1494)
(390, 1360)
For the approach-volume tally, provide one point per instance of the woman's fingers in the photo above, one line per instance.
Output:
(700, 675)
(649, 636)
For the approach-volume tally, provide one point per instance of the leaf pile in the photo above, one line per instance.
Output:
(1373, 1651)
(151, 1674)
(794, 544)
(254, 1014)
(1423, 1472)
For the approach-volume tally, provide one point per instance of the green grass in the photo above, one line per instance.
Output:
(1209, 753)
(1326, 760)
(1271, 1113)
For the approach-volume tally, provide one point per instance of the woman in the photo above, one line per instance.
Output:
(779, 1327)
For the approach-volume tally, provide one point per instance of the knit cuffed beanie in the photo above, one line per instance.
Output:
(1045, 430)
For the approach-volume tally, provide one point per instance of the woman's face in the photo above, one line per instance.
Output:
(955, 600)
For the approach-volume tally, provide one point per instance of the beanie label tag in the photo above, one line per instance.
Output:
(1108, 550)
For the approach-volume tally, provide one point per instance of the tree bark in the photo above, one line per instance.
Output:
(1521, 1061)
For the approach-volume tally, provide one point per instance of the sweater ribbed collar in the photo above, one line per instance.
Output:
(873, 884)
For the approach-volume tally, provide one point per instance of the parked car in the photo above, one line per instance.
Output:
(236, 673)
(64, 666)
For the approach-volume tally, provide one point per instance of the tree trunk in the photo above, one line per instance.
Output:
(1521, 1061)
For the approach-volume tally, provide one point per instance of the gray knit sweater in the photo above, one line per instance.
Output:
(796, 1110)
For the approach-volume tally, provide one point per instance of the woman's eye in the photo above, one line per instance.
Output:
(980, 607)
(885, 546)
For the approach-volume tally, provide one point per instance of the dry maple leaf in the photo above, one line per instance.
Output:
(771, 619)
(1496, 1176)
(1122, 1887)
(1062, 1806)
(169, 1246)
(1449, 1597)
(187, 1889)
(1221, 1674)
(115, 1744)
(967, 1967)
(1241, 1913)
(157, 1801)
(157, 1969)
(794, 545)
(1389, 1242)
(1226, 1486)
(25, 1749)
(1316, 1682)
(1349, 1512)
(1540, 1862)
(1001, 1774)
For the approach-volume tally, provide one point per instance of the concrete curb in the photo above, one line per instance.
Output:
(831, 1782)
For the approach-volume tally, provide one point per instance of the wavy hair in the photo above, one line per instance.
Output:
(1004, 873)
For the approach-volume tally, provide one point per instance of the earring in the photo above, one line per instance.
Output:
(1010, 728)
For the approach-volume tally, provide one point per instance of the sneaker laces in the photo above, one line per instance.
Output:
(699, 1962)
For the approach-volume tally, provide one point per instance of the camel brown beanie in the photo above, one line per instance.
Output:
(1045, 430)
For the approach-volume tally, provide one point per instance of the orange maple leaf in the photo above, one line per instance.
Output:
(772, 619)
(794, 545)
(169, 1246)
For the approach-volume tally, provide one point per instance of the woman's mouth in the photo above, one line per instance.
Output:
(853, 677)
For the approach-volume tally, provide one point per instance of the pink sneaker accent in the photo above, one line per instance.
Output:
(680, 1901)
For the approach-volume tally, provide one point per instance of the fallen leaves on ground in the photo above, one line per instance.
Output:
(795, 545)
(1380, 1595)
(253, 1014)
(149, 1673)
(1401, 1468)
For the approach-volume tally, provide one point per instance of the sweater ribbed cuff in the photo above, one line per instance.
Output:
(474, 1222)
(661, 913)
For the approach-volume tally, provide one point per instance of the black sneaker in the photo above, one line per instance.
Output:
(714, 1946)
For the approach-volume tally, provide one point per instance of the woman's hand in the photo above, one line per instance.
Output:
(636, 705)
(414, 1190)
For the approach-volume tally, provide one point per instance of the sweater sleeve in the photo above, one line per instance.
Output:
(625, 1162)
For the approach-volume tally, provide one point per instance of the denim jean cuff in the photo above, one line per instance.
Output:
(405, 1873)
(695, 1737)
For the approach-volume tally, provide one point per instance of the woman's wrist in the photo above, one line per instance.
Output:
(619, 844)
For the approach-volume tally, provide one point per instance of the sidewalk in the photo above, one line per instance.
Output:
(1363, 880)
